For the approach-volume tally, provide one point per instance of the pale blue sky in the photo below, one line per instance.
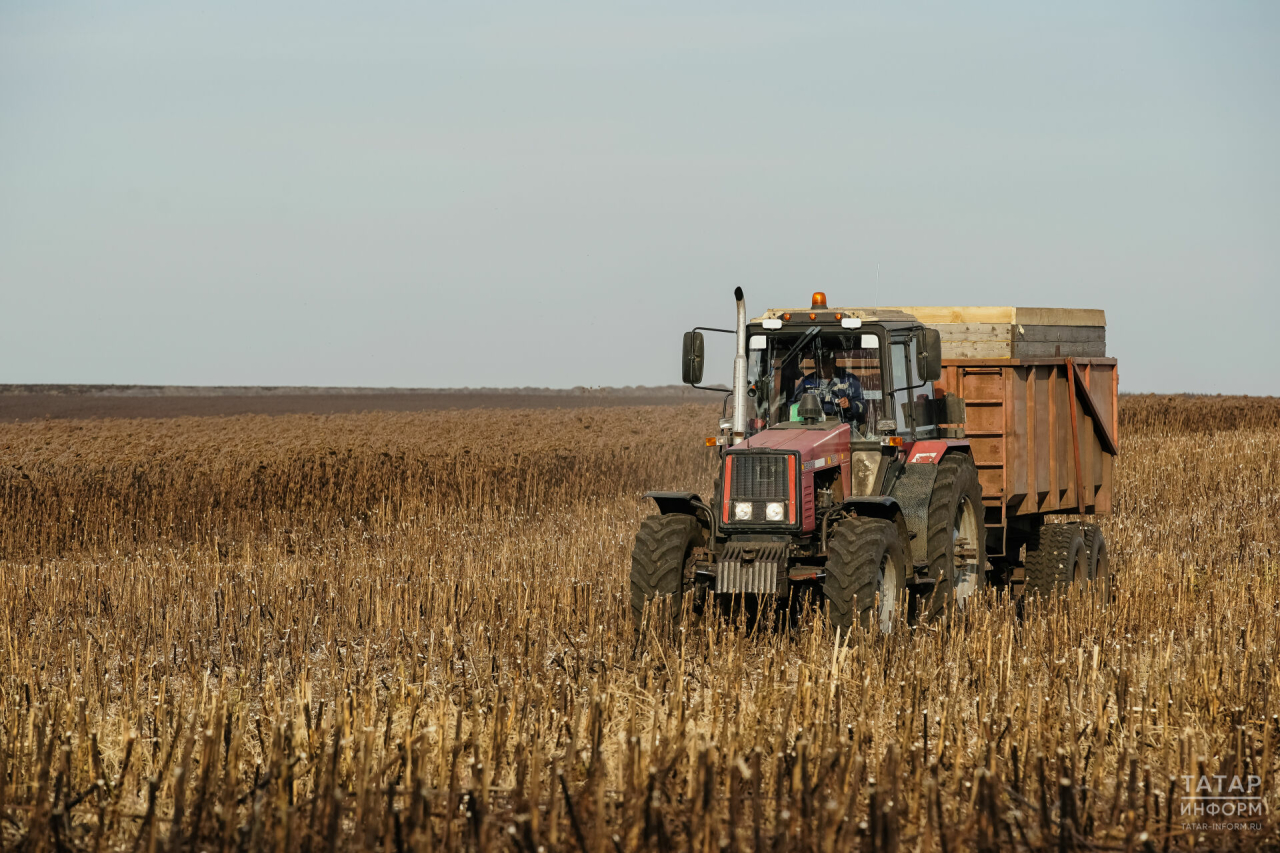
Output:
(432, 194)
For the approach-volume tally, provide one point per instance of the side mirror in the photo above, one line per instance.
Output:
(692, 359)
(929, 355)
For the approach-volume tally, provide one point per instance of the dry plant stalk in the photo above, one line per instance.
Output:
(411, 632)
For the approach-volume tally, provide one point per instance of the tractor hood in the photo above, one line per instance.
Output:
(819, 448)
(809, 442)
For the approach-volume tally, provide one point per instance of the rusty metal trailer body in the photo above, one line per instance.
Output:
(1041, 409)
(1043, 433)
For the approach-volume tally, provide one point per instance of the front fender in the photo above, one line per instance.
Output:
(883, 506)
(682, 503)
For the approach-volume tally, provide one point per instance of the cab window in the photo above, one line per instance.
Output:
(907, 392)
(842, 369)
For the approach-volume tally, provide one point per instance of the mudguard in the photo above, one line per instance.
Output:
(930, 452)
(681, 503)
(886, 507)
(913, 490)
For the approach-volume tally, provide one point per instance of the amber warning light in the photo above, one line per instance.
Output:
(819, 300)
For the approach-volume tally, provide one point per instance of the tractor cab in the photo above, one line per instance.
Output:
(869, 375)
(869, 368)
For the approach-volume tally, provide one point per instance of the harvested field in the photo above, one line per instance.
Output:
(411, 632)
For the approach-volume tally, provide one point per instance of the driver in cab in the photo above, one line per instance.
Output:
(838, 390)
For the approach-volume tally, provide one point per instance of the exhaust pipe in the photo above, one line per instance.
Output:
(740, 372)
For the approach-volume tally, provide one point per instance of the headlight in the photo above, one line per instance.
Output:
(773, 511)
(742, 511)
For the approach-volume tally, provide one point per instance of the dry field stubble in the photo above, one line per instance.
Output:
(411, 632)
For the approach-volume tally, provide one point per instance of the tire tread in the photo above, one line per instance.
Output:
(657, 559)
(957, 475)
(854, 552)
(1048, 564)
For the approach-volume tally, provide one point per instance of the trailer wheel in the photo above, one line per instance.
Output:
(1057, 558)
(957, 534)
(866, 574)
(663, 546)
(1099, 560)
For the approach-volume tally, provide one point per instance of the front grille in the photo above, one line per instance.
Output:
(751, 567)
(758, 477)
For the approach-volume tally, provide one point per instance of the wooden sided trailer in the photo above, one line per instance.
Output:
(1040, 412)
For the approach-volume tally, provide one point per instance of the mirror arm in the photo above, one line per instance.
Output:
(722, 331)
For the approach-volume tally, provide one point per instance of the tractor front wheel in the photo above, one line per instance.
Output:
(866, 574)
(664, 545)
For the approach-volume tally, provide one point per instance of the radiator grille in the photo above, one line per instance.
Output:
(758, 477)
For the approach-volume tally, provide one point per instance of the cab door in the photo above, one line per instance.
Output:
(911, 397)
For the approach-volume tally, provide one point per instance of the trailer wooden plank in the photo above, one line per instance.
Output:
(972, 363)
(1055, 349)
(934, 314)
(971, 349)
(1059, 334)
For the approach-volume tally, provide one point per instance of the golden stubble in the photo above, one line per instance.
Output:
(413, 632)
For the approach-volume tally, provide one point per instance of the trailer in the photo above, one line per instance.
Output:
(1040, 411)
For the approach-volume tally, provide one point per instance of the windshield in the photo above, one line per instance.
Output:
(842, 370)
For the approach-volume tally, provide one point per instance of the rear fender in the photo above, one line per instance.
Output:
(913, 489)
(931, 452)
(885, 507)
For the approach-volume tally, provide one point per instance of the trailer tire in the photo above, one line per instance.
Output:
(662, 549)
(1056, 558)
(865, 559)
(1099, 561)
(955, 514)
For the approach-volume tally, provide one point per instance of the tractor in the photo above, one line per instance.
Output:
(846, 472)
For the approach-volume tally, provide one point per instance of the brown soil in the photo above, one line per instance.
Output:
(65, 404)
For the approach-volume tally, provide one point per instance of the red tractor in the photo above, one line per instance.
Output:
(879, 460)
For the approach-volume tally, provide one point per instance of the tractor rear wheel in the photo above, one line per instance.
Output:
(664, 545)
(1099, 560)
(957, 534)
(1056, 558)
(866, 574)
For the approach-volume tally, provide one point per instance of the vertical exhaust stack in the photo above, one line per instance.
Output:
(740, 372)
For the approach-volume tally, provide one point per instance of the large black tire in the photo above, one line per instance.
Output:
(663, 546)
(957, 547)
(1057, 557)
(1099, 561)
(866, 574)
